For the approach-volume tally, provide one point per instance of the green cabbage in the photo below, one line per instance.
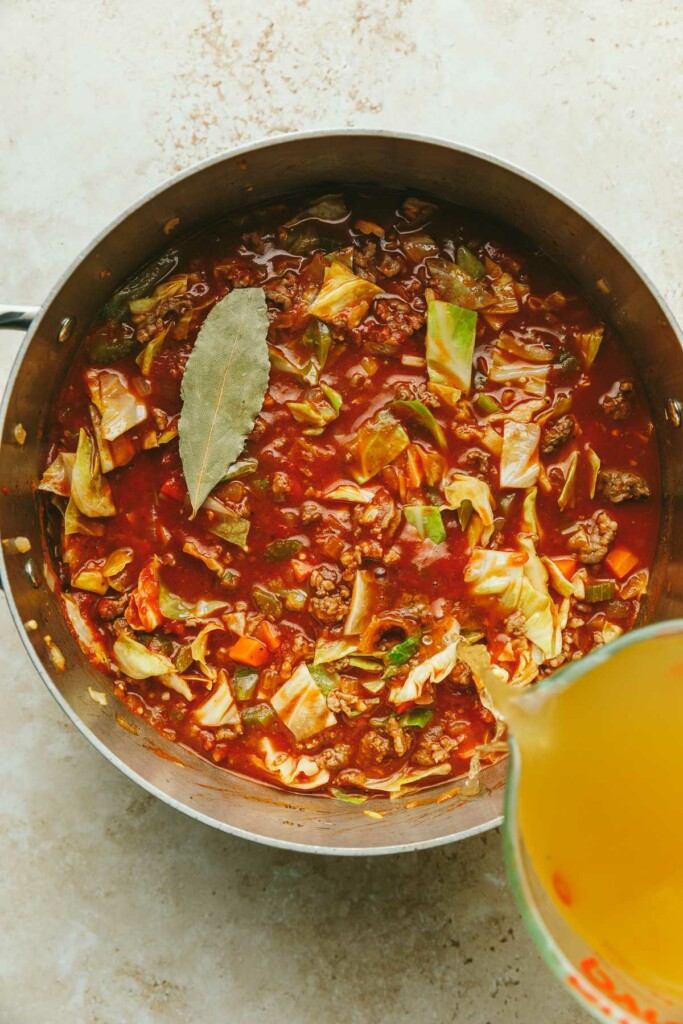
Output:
(90, 490)
(461, 487)
(136, 661)
(519, 464)
(451, 334)
(378, 442)
(301, 706)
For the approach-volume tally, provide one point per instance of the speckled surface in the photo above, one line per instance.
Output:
(116, 909)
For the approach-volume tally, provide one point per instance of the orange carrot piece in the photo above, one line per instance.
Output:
(567, 566)
(301, 570)
(249, 651)
(270, 634)
(621, 561)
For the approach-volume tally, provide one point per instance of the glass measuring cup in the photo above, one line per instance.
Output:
(606, 989)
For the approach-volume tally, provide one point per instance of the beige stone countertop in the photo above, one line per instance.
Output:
(115, 908)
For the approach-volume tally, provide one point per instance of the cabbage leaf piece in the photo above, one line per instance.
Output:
(57, 476)
(220, 708)
(519, 463)
(345, 491)
(405, 776)
(301, 706)
(198, 648)
(362, 604)
(503, 370)
(119, 406)
(455, 284)
(588, 344)
(426, 519)
(451, 333)
(327, 651)
(422, 415)
(300, 772)
(177, 683)
(136, 661)
(342, 292)
(496, 573)
(461, 487)
(174, 607)
(432, 670)
(90, 490)
(525, 348)
(378, 442)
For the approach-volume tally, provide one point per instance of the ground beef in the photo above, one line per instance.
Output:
(379, 519)
(310, 512)
(373, 748)
(619, 404)
(111, 607)
(556, 434)
(515, 624)
(282, 292)
(478, 463)
(390, 266)
(401, 740)
(417, 211)
(253, 241)
(346, 703)
(330, 596)
(619, 485)
(281, 484)
(408, 391)
(433, 747)
(394, 322)
(364, 260)
(592, 539)
(334, 757)
(149, 324)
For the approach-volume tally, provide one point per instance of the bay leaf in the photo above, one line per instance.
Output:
(223, 388)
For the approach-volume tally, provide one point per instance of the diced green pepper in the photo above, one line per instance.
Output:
(244, 683)
(141, 284)
(402, 652)
(470, 263)
(417, 718)
(267, 602)
(259, 716)
(487, 404)
(281, 550)
(603, 590)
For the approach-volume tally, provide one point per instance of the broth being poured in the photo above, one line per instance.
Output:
(599, 805)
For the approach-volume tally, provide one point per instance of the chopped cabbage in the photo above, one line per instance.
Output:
(362, 606)
(176, 682)
(219, 709)
(90, 490)
(496, 572)
(567, 498)
(198, 648)
(530, 522)
(506, 371)
(535, 351)
(432, 670)
(519, 463)
(136, 661)
(378, 442)
(57, 476)
(594, 464)
(588, 344)
(327, 651)
(351, 493)
(455, 284)
(406, 776)
(342, 291)
(290, 768)
(174, 607)
(451, 334)
(426, 519)
(461, 487)
(90, 578)
(562, 585)
(120, 407)
(301, 706)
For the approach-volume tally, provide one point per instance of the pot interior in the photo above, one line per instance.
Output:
(208, 194)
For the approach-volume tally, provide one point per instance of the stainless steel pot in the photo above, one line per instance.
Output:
(208, 193)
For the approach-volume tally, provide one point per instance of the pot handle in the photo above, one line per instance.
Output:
(17, 318)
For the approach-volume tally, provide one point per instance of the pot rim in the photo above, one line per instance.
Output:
(143, 199)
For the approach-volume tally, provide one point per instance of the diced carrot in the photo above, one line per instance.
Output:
(567, 566)
(270, 634)
(249, 651)
(621, 561)
(301, 570)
